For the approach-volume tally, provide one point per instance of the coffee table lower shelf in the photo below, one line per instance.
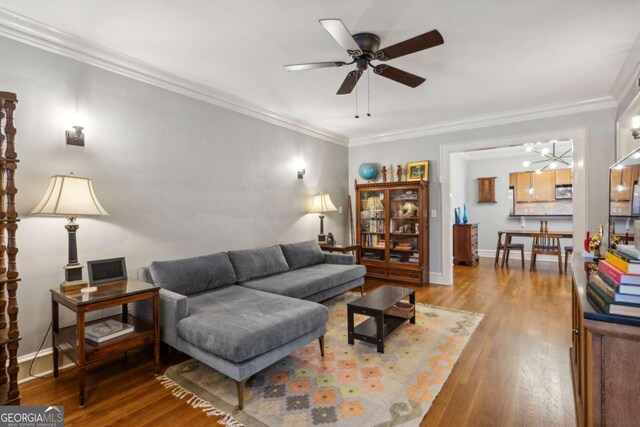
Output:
(367, 331)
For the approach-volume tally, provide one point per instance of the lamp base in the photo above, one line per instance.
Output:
(322, 238)
(73, 285)
(72, 272)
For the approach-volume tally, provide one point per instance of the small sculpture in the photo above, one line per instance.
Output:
(409, 209)
(399, 172)
(384, 173)
(594, 243)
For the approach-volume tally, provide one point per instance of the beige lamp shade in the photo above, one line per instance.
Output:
(322, 203)
(69, 195)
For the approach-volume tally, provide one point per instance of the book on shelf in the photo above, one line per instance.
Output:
(618, 275)
(612, 292)
(621, 288)
(105, 330)
(608, 305)
(629, 250)
(615, 259)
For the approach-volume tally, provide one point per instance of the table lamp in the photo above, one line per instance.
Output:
(321, 204)
(71, 196)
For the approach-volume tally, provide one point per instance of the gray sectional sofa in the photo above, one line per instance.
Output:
(241, 311)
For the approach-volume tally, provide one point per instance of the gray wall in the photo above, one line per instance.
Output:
(599, 156)
(493, 217)
(179, 177)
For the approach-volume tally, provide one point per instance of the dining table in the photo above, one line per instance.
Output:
(509, 234)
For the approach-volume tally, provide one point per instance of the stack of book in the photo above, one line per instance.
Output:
(403, 246)
(106, 330)
(414, 258)
(615, 289)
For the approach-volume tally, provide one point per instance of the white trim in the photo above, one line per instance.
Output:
(437, 279)
(493, 119)
(26, 30)
(579, 136)
(629, 73)
(25, 361)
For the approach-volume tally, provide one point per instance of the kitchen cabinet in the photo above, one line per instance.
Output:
(621, 184)
(544, 187)
(523, 181)
(564, 177)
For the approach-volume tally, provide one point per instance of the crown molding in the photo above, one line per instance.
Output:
(489, 120)
(25, 30)
(630, 71)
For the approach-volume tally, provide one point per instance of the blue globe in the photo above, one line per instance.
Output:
(368, 171)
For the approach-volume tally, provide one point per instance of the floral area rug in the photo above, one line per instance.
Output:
(353, 385)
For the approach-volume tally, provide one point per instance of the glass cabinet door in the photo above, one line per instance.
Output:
(372, 225)
(404, 227)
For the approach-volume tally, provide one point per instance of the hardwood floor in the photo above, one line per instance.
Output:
(514, 370)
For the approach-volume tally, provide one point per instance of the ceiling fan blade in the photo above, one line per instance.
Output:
(349, 82)
(415, 44)
(398, 75)
(341, 34)
(312, 65)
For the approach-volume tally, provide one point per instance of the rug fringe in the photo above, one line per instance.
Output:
(194, 401)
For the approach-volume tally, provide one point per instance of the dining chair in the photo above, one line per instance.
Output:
(546, 244)
(510, 247)
(567, 250)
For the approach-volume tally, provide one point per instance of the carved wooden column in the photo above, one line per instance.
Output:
(9, 276)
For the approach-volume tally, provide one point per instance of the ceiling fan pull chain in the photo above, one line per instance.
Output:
(368, 93)
(356, 77)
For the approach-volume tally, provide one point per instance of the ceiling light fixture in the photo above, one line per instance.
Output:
(551, 159)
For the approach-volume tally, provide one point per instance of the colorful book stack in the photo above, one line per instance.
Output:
(615, 289)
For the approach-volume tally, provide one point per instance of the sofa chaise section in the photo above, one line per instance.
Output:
(241, 311)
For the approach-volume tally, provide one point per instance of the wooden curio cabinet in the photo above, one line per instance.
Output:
(392, 225)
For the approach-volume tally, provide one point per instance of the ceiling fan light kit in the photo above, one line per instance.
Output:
(551, 159)
(365, 48)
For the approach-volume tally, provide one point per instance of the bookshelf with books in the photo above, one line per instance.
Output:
(605, 342)
(392, 226)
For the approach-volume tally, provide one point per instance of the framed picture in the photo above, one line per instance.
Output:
(418, 171)
(106, 270)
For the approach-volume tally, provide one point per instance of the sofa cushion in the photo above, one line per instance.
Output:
(307, 281)
(302, 254)
(238, 323)
(252, 263)
(190, 275)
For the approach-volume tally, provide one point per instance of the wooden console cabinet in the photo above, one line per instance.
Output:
(465, 244)
(605, 360)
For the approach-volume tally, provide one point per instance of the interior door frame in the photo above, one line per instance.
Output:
(580, 196)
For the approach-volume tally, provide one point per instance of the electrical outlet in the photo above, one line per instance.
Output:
(434, 213)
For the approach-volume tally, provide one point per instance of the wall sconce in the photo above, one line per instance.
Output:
(75, 137)
(635, 126)
(301, 173)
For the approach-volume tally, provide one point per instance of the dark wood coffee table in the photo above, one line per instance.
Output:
(379, 326)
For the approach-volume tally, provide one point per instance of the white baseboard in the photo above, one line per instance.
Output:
(42, 366)
(437, 278)
(515, 255)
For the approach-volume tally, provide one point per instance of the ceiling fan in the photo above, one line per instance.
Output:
(364, 48)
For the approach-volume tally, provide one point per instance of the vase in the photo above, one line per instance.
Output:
(464, 214)
(457, 215)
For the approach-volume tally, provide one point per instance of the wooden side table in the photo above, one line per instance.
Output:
(342, 249)
(70, 340)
